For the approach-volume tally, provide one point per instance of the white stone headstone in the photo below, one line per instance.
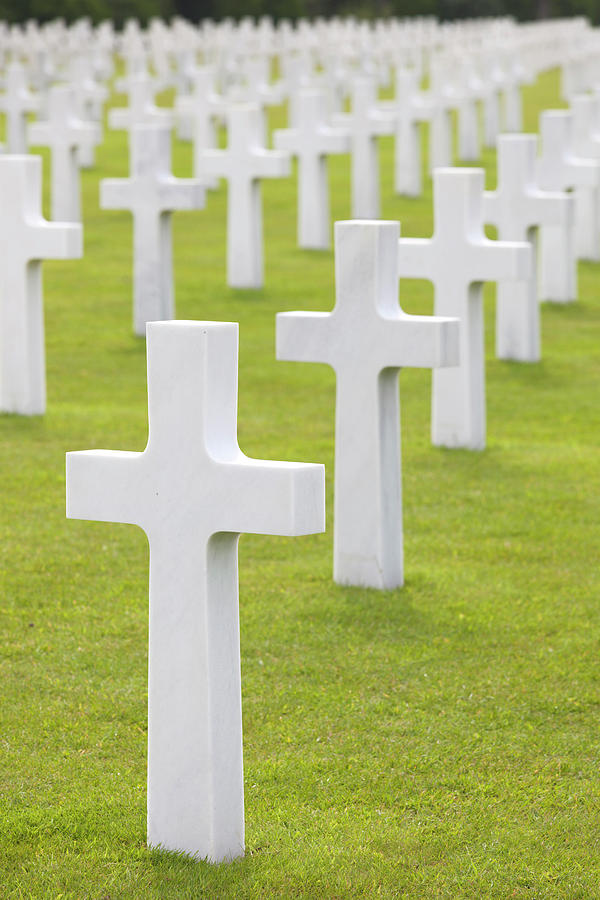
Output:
(65, 134)
(440, 104)
(141, 110)
(151, 194)
(90, 97)
(365, 124)
(243, 164)
(492, 77)
(558, 168)
(205, 108)
(411, 110)
(311, 141)
(193, 492)
(202, 100)
(25, 240)
(16, 102)
(458, 259)
(517, 208)
(586, 145)
(367, 339)
(469, 92)
(513, 101)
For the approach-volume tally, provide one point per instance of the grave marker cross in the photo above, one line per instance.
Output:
(26, 239)
(243, 164)
(141, 109)
(517, 207)
(411, 110)
(151, 193)
(193, 491)
(311, 139)
(366, 340)
(558, 168)
(458, 259)
(16, 102)
(64, 133)
(365, 124)
(586, 144)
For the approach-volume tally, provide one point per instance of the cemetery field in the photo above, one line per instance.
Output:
(441, 740)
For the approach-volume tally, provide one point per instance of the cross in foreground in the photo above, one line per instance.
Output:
(193, 491)
(26, 239)
(367, 339)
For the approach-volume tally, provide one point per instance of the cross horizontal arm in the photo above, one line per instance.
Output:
(270, 163)
(23, 103)
(117, 193)
(123, 118)
(334, 140)
(181, 193)
(56, 240)
(39, 134)
(88, 133)
(569, 173)
(106, 485)
(324, 140)
(552, 208)
(288, 140)
(581, 172)
(382, 123)
(500, 261)
(536, 209)
(276, 497)
(217, 162)
(303, 336)
(120, 118)
(415, 258)
(420, 341)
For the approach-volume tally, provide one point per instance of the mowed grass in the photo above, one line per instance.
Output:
(436, 741)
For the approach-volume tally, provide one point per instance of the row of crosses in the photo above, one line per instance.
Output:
(194, 492)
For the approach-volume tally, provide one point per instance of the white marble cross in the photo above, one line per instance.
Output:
(440, 101)
(151, 193)
(469, 92)
(492, 77)
(311, 140)
(517, 208)
(458, 259)
(513, 101)
(365, 124)
(202, 102)
(65, 134)
(586, 145)
(557, 169)
(16, 102)
(243, 164)
(26, 239)
(205, 106)
(89, 99)
(193, 492)
(142, 109)
(367, 339)
(411, 110)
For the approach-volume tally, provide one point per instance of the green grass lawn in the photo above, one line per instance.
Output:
(436, 741)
